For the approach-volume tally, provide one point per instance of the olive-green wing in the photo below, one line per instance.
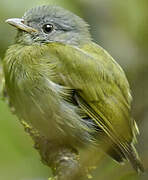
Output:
(102, 92)
(101, 87)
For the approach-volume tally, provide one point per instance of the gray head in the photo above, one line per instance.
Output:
(45, 24)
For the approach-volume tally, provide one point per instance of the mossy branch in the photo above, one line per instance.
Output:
(63, 160)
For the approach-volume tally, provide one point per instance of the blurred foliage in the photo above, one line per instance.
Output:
(121, 27)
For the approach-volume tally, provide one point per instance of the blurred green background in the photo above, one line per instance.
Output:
(121, 27)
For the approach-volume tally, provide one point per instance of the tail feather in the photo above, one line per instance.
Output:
(134, 159)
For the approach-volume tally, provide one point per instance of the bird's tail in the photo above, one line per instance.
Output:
(132, 155)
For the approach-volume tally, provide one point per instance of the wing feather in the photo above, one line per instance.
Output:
(101, 85)
(103, 93)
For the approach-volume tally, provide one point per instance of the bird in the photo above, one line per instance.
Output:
(68, 87)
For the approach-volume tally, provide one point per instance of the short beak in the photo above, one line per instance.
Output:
(19, 23)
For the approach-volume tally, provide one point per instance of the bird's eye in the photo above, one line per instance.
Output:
(47, 28)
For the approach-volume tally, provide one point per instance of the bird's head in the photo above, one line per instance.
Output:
(45, 24)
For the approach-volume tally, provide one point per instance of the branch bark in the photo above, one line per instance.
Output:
(63, 160)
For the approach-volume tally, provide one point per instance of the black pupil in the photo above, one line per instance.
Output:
(48, 28)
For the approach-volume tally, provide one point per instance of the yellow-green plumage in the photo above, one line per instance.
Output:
(53, 86)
